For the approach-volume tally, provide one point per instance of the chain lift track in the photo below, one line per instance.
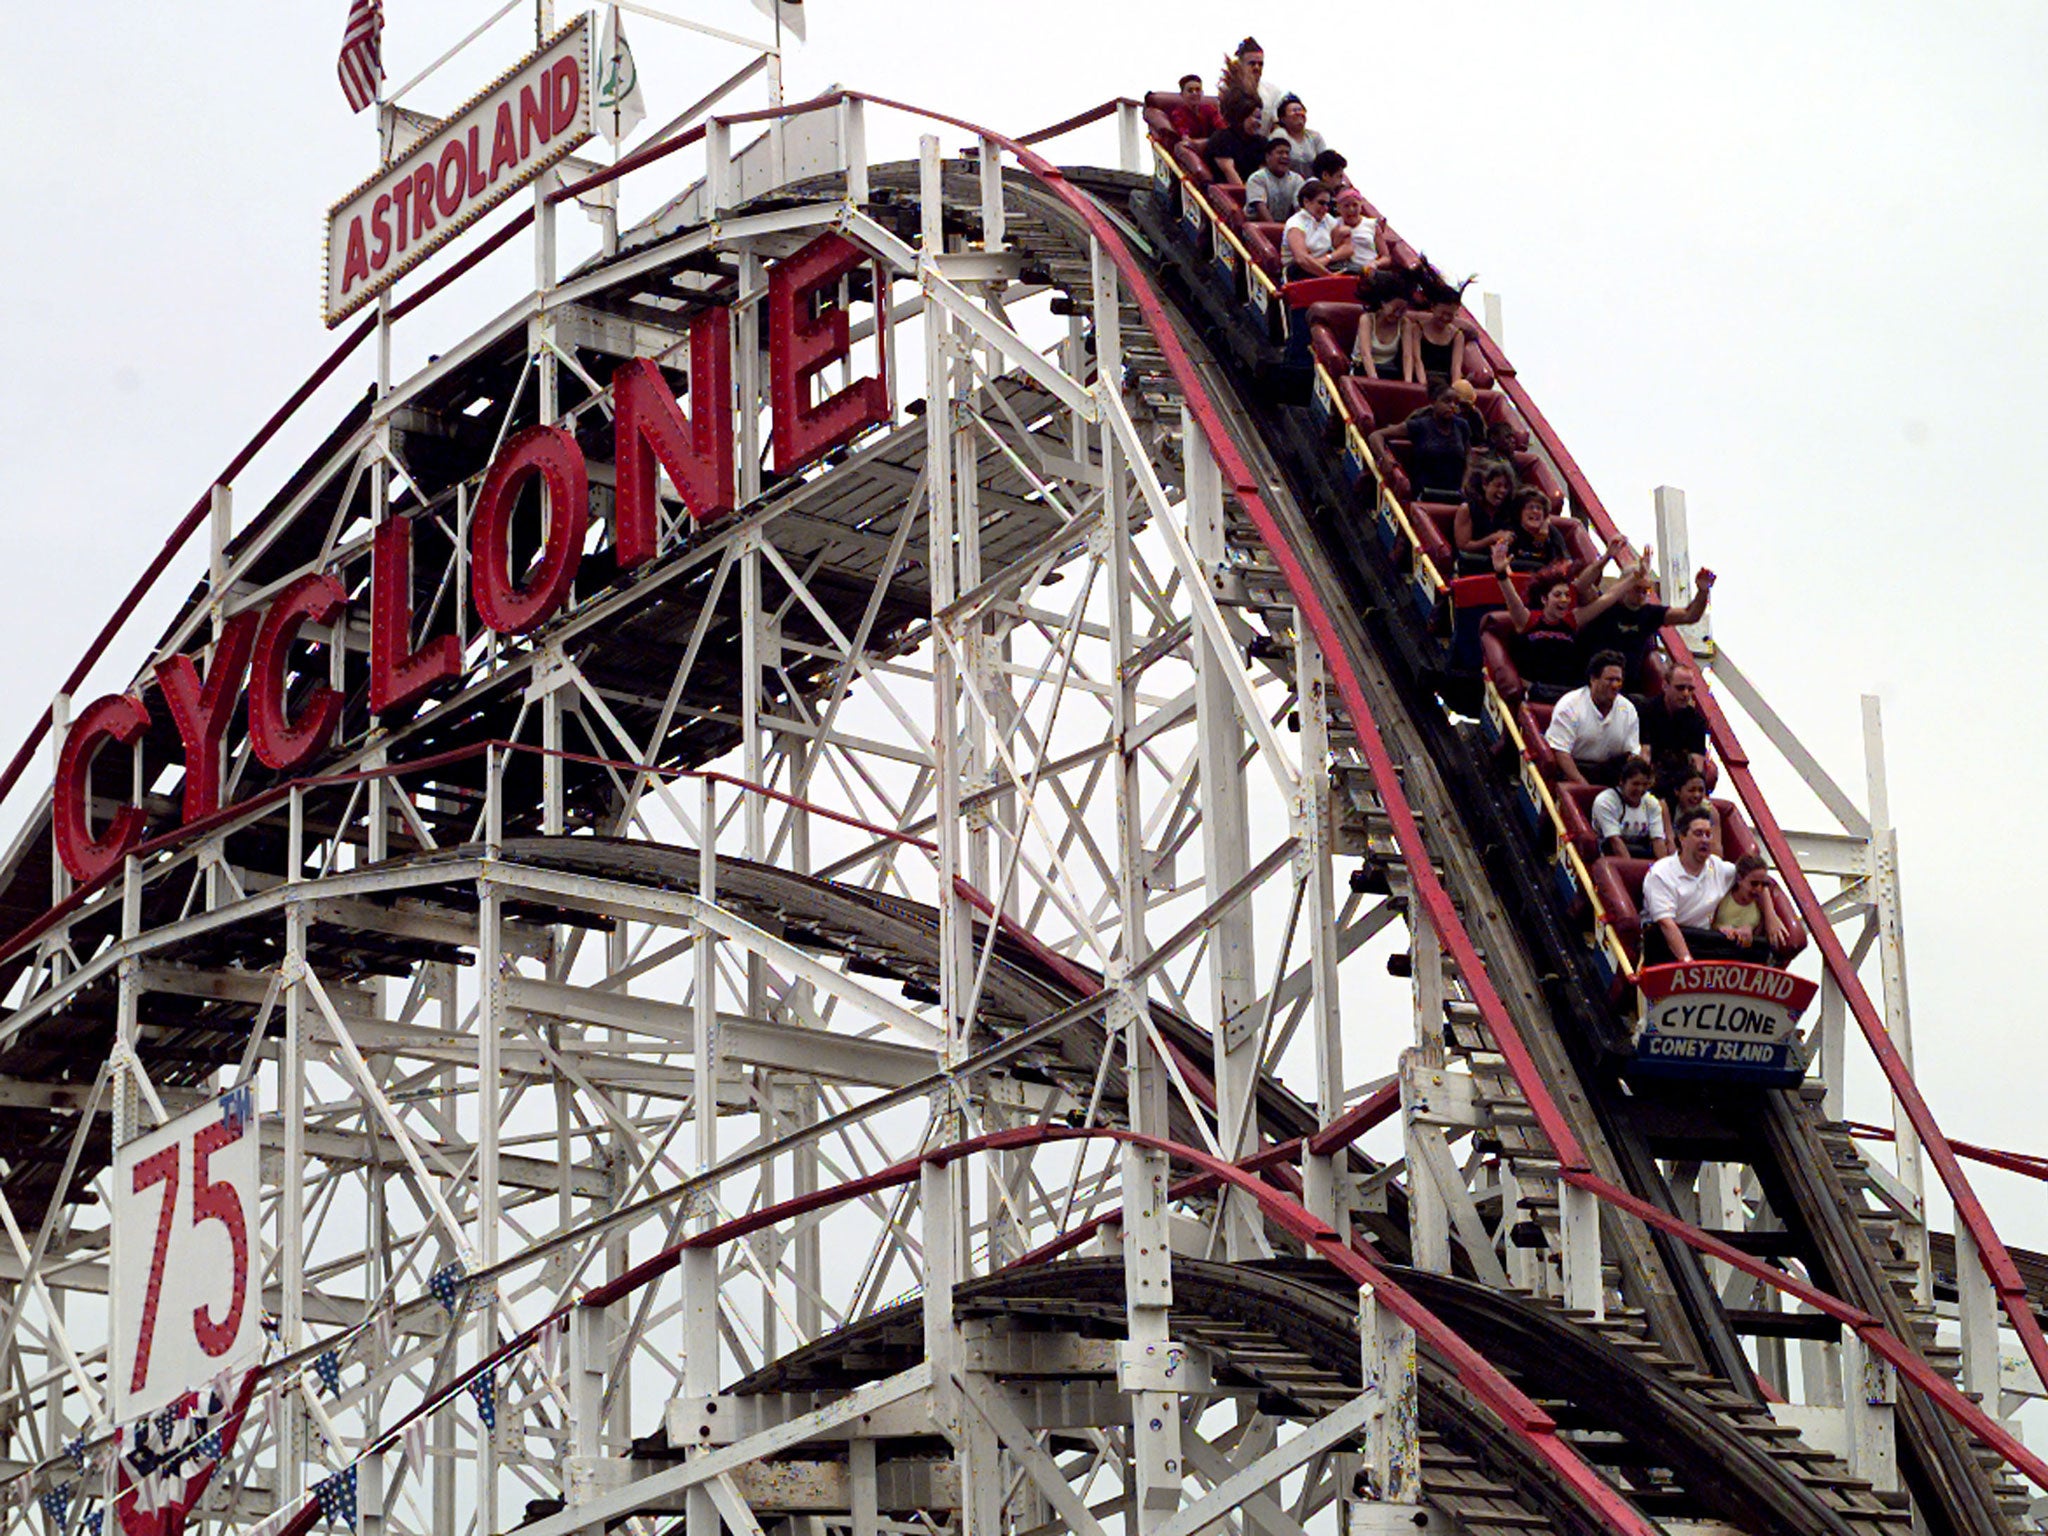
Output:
(870, 1004)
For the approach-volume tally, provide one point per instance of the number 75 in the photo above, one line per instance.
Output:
(212, 1200)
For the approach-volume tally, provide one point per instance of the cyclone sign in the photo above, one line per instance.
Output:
(1721, 1018)
(529, 119)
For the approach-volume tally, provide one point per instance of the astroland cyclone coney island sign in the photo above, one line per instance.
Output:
(528, 120)
(1721, 1018)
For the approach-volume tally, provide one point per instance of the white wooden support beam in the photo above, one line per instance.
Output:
(654, 1490)
(726, 1497)
(1869, 1393)
(1262, 1512)
(1367, 1412)
(939, 1207)
(1393, 1450)
(718, 166)
(1226, 857)
(1977, 1312)
(1832, 1053)
(1148, 1284)
(990, 1402)
(1130, 137)
(1313, 867)
(1429, 1222)
(1199, 589)
(860, 1467)
(993, 234)
(1674, 565)
(853, 143)
(1579, 1216)
(1898, 1014)
(1430, 1161)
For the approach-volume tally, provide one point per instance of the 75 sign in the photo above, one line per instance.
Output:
(187, 1282)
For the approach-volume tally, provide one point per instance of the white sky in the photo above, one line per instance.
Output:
(1781, 257)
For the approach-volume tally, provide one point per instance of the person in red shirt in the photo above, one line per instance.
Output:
(1545, 647)
(1194, 116)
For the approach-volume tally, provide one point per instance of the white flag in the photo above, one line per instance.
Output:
(416, 1445)
(551, 1347)
(788, 12)
(620, 106)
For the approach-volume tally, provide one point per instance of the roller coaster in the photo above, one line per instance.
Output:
(799, 953)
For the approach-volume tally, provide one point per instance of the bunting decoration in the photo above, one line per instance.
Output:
(484, 1388)
(337, 1498)
(163, 1464)
(449, 1285)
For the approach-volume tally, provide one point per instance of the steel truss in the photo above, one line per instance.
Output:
(983, 788)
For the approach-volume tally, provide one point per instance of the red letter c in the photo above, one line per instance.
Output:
(281, 742)
(119, 718)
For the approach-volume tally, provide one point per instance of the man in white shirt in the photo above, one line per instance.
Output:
(1272, 192)
(1681, 892)
(1627, 819)
(1251, 71)
(1594, 730)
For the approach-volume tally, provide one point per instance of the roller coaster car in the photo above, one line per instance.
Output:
(1713, 1021)
(1720, 1021)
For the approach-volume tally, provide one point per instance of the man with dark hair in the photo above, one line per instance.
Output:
(1274, 188)
(1631, 625)
(1333, 171)
(1248, 69)
(1194, 116)
(1681, 894)
(1674, 730)
(1594, 730)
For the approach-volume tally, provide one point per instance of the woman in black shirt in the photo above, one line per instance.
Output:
(1483, 518)
(1539, 540)
(1437, 336)
(1439, 438)
(1240, 148)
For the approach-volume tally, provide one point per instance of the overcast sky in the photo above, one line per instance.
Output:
(1785, 258)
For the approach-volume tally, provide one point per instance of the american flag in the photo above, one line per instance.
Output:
(362, 65)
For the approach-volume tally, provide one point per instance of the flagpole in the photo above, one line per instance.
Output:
(775, 125)
(609, 222)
